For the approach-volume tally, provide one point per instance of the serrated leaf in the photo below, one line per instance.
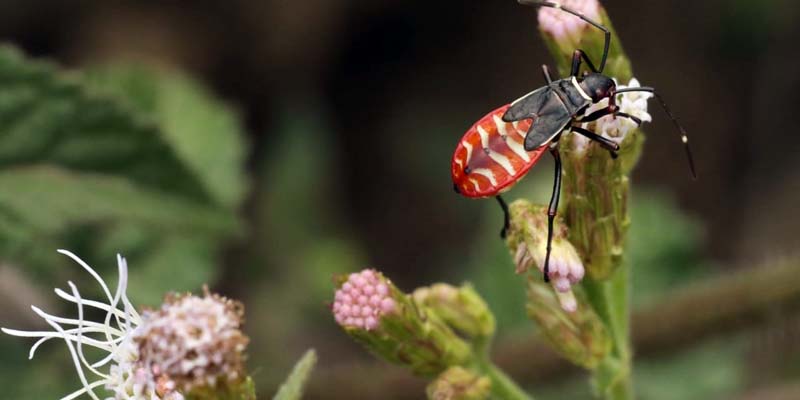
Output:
(81, 169)
(292, 388)
(204, 133)
(47, 117)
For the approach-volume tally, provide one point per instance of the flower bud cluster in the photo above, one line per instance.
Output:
(527, 240)
(395, 327)
(362, 300)
(567, 29)
(460, 307)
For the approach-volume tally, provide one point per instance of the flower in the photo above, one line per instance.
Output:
(194, 341)
(114, 335)
(362, 300)
(189, 342)
(616, 128)
(527, 241)
(389, 323)
(565, 28)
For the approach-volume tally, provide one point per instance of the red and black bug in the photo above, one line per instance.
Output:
(499, 149)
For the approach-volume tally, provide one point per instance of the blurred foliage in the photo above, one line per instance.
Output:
(129, 159)
(712, 370)
(292, 389)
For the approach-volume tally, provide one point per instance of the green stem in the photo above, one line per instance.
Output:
(503, 387)
(611, 301)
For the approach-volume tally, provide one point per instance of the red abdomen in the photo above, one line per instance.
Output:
(490, 158)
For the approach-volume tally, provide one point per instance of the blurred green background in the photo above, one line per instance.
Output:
(262, 147)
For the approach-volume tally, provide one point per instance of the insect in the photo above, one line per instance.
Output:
(499, 149)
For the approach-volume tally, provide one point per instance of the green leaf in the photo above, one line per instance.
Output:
(48, 117)
(84, 170)
(292, 388)
(204, 133)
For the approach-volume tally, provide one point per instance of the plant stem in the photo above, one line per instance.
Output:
(611, 301)
(503, 387)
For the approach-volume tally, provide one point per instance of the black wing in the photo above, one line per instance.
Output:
(549, 116)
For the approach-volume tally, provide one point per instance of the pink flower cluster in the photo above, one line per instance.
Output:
(565, 26)
(362, 300)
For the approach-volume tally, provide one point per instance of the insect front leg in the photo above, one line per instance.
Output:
(606, 31)
(607, 144)
(553, 208)
(576, 62)
(546, 73)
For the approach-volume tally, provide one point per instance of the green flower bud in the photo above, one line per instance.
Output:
(457, 383)
(461, 308)
(579, 336)
(390, 324)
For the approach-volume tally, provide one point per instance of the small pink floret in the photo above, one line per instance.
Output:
(382, 289)
(375, 300)
(387, 305)
(561, 284)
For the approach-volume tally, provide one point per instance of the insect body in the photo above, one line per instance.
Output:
(488, 160)
(491, 157)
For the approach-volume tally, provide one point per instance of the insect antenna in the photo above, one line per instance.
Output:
(684, 138)
(579, 15)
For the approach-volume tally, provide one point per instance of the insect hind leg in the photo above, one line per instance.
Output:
(506, 218)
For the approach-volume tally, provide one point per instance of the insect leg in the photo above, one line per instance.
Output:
(504, 206)
(684, 138)
(608, 144)
(576, 62)
(599, 114)
(606, 111)
(552, 209)
(579, 15)
(546, 73)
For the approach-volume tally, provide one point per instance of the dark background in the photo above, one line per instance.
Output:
(353, 109)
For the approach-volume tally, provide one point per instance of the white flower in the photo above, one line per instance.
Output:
(616, 128)
(115, 335)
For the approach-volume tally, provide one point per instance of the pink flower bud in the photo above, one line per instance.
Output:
(565, 27)
(362, 300)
